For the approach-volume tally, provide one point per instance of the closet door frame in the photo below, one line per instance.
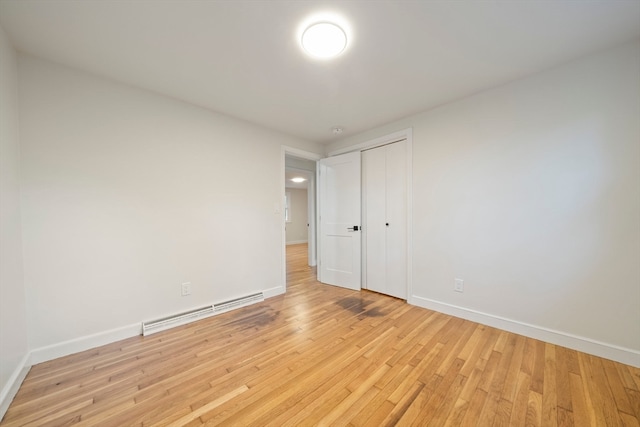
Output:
(405, 134)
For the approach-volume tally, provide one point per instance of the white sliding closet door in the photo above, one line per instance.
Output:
(374, 209)
(385, 219)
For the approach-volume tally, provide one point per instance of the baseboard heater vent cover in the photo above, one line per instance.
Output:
(238, 302)
(179, 319)
(168, 322)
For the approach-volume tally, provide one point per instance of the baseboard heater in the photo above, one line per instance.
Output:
(179, 319)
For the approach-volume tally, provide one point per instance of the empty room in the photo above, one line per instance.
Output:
(300, 213)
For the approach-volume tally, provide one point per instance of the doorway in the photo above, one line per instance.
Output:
(297, 212)
(299, 205)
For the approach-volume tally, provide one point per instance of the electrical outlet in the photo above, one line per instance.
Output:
(459, 286)
(186, 289)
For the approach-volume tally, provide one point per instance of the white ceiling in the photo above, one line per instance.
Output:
(242, 58)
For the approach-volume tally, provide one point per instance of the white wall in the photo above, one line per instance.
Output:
(530, 192)
(296, 230)
(294, 162)
(13, 313)
(127, 194)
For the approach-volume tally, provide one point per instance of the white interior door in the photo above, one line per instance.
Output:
(339, 186)
(396, 218)
(385, 219)
(374, 203)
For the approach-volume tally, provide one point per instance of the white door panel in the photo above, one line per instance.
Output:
(397, 220)
(339, 218)
(385, 219)
(373, 162)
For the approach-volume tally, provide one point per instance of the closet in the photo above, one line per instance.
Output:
(384, 216)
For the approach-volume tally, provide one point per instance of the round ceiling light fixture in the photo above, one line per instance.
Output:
(324, 40)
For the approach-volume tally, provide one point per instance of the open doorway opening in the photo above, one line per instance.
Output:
(299, 207)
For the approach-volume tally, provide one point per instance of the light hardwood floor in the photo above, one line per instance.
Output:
(322, 355)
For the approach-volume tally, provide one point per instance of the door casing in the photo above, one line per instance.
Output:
(405, 134)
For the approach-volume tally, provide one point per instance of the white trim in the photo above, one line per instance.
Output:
(317, 230)
(297, 242)
(409, 136)
(76, 345)
(283, 188)
(275, 291)
(13, 384)
(386, 139)
(608, 351)
(296, 152)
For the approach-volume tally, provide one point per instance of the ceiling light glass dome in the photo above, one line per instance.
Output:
(324, 40)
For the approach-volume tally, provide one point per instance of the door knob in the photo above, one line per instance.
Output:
(354, 228)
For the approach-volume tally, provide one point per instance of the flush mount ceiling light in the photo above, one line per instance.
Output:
(324, 40)
(298, 180)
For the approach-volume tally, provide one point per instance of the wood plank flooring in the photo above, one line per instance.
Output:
(322, 355)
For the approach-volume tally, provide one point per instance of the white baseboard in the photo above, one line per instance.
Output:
(44, 354)
(272, 292)
(76, 345)
(13, 385)
(296, 242)
(575, 342)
